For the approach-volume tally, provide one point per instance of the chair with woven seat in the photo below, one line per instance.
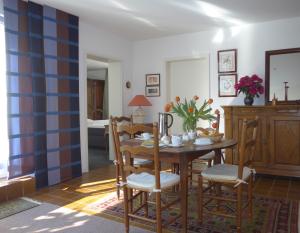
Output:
(137, 162)
(143, 180)
(234, 176)
(206, 159)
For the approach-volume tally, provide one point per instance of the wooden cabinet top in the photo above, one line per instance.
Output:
(267, 110)
(263, 106)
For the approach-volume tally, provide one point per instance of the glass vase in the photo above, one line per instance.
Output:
(189, 125)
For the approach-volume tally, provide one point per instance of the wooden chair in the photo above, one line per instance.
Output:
(143, 180)
(137, 162)
(234, 176)
(205, 159)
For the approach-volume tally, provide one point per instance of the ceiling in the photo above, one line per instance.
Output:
(144, 19)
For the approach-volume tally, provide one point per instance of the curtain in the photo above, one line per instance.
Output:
(3, 102)
(43, 92)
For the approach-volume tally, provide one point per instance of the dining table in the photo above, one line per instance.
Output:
(182, 156)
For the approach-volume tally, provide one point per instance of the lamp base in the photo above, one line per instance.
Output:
(138, 116)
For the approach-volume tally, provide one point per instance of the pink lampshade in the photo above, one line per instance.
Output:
(139, 100)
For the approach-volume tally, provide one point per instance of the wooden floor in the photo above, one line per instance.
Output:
(79, 192)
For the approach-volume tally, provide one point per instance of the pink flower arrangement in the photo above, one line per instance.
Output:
(250, 86)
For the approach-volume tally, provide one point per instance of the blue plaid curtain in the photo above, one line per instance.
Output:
(43, 92)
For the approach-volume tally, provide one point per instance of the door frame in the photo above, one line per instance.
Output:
(83, 104)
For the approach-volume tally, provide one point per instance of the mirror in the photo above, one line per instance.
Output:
(283, 76)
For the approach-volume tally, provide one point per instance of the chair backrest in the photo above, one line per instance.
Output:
(119, 121)
(247, 144)
(131, 149)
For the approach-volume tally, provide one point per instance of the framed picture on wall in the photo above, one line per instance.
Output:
(152, 91)
(227, 61)
(226, 85)
(152, 79)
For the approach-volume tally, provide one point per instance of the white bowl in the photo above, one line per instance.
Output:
(202, 141)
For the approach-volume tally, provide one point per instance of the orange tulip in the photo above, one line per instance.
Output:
(191, 109)
(217, 112)
(168, 107)
(177, 98)
(214, 125)
(196, 97)
(210, 101)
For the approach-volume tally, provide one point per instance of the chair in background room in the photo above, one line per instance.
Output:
(143, 180)
(233, 176)
(119, 121)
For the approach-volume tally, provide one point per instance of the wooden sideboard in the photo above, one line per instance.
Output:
(278, 146)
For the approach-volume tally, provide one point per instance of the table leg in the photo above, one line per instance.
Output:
(184, 191)
(218, 157)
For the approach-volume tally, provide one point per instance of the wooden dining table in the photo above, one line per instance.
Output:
(183, 156)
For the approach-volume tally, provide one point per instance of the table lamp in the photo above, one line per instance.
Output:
(139, 114)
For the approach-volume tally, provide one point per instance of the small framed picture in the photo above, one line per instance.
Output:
(226, 85)
(152, 91)
(227, 61)
(152, 79)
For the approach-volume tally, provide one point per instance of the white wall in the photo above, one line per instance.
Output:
(252, 41)
(94, 41)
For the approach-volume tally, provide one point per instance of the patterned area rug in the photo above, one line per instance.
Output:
(270, 216)
(16, 206)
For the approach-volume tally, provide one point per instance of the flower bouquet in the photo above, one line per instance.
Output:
(190, 113)
(251, 87)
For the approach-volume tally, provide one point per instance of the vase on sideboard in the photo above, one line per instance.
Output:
(248, 100)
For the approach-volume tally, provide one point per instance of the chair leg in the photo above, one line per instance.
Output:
(130, 194)
(191, 173)
(200, 199)
(250, 197)
(158, 213)
(239, 209)
(126, 209)
(118, 180)
(175, 170)
(218, 188)
(146, 202)
(141, 199)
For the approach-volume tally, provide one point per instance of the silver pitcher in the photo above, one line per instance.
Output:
(165, 122)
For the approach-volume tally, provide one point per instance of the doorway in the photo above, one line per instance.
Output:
(186, 78)
(97, 113)
(103, 99)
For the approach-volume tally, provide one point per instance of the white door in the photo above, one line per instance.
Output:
(187, 78)
(114, 97)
